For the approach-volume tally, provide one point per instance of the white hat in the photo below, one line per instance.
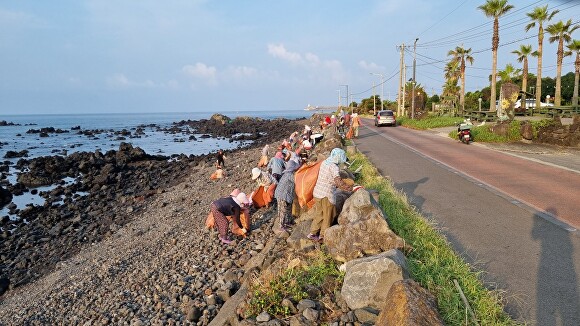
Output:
(242, 198)
(256, 173)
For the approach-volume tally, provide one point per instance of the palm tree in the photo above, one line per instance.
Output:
(560, 32)
(538, 16)
(574, 46)
(523, 53)
(494, 9)
(509, 73)
(461, 55)
(452, 70)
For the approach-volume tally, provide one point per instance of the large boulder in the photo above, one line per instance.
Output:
(527, 131)
(127, 153)
(368, 280)
(362, 230)
(409, 304)
(331, 141)
(298, 240)
(5, 197)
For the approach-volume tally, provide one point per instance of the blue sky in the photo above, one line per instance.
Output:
(182, 56)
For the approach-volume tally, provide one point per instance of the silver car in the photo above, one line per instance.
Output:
(386, 117)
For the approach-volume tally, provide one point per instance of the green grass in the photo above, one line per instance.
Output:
(429, 122)
(267, 294)
(432, 261)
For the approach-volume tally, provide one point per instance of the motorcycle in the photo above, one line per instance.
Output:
(464, 133)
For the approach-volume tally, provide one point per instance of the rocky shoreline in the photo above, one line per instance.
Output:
(134, 248)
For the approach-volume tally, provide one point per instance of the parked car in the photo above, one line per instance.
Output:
(385, 117)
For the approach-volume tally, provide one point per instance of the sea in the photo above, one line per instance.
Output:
(152, 141)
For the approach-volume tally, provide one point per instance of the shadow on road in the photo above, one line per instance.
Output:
(557, 301)
(409, 189)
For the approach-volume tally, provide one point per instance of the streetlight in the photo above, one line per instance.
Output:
(382, 87)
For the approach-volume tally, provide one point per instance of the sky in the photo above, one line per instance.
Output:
(98, 56)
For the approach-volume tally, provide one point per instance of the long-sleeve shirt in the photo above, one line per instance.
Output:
(229, 207)
(285, 188)
(328, 180)
(277, 165)
(265, 179)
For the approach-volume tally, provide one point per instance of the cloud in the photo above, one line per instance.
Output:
(370, 66)
(319, 70)
(279, 51)
(201, 71)
(242, 72)
(120, 81)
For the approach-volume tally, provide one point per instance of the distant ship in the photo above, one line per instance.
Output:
(311, 108)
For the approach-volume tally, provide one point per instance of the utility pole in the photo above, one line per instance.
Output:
(374, 100)
(404, 88)
(401, 67)
(382, 87)
(338, 109)
(414, 80)
(347, 104)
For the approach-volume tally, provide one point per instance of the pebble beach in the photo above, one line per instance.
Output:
(156, 263)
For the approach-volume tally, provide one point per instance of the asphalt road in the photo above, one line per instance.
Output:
(512, 218)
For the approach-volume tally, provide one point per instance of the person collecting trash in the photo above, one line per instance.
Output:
(284, 195)
(324, 201)
(228, 206)
(264, 194)
(264, 158)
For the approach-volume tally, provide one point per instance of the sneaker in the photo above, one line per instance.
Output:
(225, 240)
(313, 237)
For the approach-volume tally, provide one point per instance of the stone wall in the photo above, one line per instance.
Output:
(558, 134)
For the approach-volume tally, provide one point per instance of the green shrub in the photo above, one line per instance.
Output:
(485, 135)
(537, 125)
(429, 122)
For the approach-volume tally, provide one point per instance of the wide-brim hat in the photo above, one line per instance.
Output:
(242, 198)
(256, 173)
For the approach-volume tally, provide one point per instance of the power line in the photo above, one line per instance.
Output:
(458, 34)
(474, 34)
(440, 20)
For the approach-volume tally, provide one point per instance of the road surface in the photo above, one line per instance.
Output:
(514, 219)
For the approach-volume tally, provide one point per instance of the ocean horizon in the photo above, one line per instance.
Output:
(89, 132)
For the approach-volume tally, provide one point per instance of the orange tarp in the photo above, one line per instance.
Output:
(305, 180)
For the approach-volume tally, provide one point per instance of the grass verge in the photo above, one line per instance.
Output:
(432, 261)
(429, 122)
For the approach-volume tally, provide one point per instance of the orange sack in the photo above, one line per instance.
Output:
(262, 198)
(244, 220)
(305, 180)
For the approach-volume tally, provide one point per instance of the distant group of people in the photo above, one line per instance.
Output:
(275, 179)
(343, 122)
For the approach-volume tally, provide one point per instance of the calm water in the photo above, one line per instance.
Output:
(15, 138)
(153, 142)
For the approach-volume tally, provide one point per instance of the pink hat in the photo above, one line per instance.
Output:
(241, 197)
(235, 192)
